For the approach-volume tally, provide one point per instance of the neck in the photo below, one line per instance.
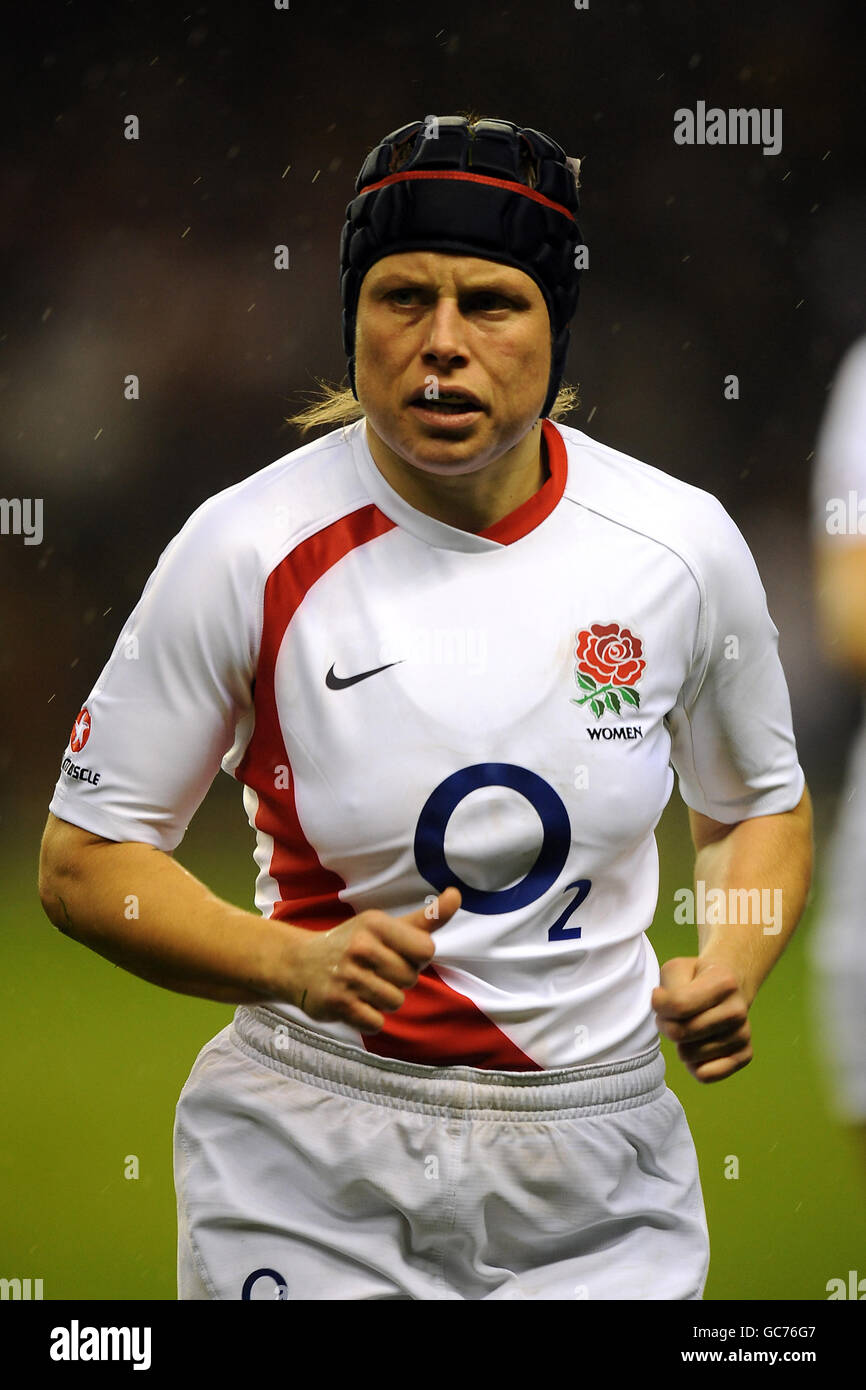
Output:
(468, 501)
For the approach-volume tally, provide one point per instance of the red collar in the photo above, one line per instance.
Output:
(532, 512)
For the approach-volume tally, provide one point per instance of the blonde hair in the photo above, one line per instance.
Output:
(335, 405)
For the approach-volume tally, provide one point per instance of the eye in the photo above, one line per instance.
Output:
(489, 299)
(406, 290)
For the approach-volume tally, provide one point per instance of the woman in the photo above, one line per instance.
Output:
(839, 542)
(451, 652)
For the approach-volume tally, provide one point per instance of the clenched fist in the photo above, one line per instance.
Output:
(359, 971)
(700, 1006)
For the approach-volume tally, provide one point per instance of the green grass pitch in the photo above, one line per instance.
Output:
(95, 1059)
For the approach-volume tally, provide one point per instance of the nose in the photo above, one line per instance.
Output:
(445, 341)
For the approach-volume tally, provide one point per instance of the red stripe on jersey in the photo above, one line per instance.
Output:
(441, 1028)
(308, 891)
(436, 1025)
(533, 511)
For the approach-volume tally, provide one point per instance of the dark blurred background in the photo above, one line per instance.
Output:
(155, 257)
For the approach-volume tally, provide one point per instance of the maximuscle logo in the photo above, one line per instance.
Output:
(76, 1343)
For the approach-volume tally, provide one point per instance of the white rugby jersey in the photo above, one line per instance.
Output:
(409, 705)
(839, 519)
(839, 478)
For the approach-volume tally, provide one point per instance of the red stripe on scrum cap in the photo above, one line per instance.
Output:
(469, 178)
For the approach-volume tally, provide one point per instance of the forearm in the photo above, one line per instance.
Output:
(840, 591)
(764, 864)
(139, 908)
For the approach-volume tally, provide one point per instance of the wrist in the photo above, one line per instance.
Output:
(277, 963)
(748, 981)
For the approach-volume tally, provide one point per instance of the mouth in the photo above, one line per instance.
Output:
(454, 407)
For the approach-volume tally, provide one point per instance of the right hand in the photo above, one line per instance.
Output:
(359, 971)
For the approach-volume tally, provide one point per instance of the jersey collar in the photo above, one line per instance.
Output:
(513, 527)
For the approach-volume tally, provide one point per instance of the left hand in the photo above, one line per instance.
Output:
(700, 1005)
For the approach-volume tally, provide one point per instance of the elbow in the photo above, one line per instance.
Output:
(59, 867)
(848, 656)
(842, 636)
(842, 640)
(45, 885)
(51, 897)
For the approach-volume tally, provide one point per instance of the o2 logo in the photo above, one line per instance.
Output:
(281, 1291)
(556, 843)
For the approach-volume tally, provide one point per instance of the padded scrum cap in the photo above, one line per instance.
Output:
(493, 189)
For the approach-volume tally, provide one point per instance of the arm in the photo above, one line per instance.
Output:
(136, 906)
(173, 701)
(703, 1002)
(839, 541)
(840, 591)
(773, 853)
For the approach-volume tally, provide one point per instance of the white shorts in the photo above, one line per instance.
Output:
(838, 997)
(837, 951)
(306, 1169)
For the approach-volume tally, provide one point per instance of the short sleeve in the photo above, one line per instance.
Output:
(733, 745)
(174, 693)
(839, 477)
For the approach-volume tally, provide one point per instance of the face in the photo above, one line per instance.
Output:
(431, 323)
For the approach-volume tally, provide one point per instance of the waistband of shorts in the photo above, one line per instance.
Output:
(472, 1092)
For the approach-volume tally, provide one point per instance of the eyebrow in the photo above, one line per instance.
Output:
(412, 280)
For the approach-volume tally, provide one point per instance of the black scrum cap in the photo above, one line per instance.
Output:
(485, 188)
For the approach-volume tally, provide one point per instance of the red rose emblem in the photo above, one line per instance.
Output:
(610, 654)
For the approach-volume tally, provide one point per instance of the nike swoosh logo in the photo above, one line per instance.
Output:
(340, 682)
